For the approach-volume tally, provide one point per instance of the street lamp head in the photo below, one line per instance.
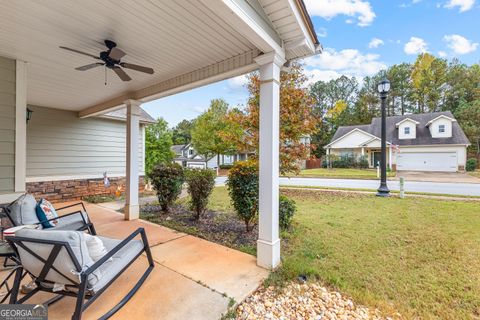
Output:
(384, 86)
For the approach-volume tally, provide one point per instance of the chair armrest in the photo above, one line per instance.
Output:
(117, 248)
(72, 205)
(67, 215)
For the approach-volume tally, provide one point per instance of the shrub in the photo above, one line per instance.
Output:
(242, 186)
(167, 180)
(471, 164)
(362, 162)
(226, 166)
(200, 184)
(287, 209)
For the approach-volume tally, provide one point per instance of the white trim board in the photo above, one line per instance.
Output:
(20, 125)
(73, 177)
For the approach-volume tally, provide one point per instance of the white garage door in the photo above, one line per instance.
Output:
(427, 161)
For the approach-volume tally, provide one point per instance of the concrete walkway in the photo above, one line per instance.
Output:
(192, 278)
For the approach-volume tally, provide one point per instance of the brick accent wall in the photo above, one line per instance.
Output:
(69, 190)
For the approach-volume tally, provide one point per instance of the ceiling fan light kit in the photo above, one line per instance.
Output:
(111, 59)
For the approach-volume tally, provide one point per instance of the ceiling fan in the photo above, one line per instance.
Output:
(111, 59)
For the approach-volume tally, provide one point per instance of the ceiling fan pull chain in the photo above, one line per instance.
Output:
(105, 75)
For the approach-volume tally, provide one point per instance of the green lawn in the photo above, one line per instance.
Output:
(342, 173)
(420, 257)
(475, 173)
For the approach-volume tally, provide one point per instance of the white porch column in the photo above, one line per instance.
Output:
(390, 157)
(133, 131)
(268, 244)
(20, 126)
(363, 151)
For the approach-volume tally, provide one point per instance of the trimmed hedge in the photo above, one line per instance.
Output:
(167, 180)
(345, 161)
(226, 166)
(200, 184)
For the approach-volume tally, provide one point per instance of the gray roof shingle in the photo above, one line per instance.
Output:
(423, 133)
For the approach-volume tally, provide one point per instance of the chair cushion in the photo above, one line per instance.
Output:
(63, 262)
(45, 211)
(22, 211)
(71, 222)
(96, 249)
(119, 260)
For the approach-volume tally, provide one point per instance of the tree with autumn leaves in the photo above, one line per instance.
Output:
(297, 120)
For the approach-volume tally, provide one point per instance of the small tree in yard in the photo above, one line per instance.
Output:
(242, 186)
(167, 180)
(200, 184)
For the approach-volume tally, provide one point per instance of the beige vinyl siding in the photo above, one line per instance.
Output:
(7, 125)
(61, 144)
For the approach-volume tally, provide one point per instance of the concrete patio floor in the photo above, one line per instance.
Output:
(192, 278)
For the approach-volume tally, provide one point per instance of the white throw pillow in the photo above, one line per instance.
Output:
(95, 247)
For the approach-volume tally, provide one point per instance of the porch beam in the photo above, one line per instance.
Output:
(226, 69)
(132, 172)
(268, 244)
(246, 17)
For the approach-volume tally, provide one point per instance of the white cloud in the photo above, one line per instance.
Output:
(459, 44)
(237, 82)
(442, 54)
(322, 32)
(332, 64)
(464, 5)
(375, 43)
(415, 46)
(328, 9)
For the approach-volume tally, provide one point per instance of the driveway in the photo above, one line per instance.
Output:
(459, 189)
(451, 177)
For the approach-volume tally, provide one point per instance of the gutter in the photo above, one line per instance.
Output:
(309, 23)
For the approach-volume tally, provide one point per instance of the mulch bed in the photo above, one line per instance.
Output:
(220, 227)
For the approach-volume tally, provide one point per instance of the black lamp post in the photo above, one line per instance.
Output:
(383, 88)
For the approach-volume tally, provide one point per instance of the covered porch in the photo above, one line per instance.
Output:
(187, 43)
(192, 278)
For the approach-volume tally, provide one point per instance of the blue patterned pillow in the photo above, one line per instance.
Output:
(45, 211)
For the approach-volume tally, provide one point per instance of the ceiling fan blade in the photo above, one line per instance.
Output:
(89, 66)
(137, 67)
(80, 52)
(121, 74)
(116, 54)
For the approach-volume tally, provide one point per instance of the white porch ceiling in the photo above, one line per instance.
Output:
(182, 40)
(173, 37)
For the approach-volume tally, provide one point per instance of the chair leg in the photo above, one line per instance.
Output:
(16, 285)
(77, 315)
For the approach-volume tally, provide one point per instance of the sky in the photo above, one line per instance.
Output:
(359, 38)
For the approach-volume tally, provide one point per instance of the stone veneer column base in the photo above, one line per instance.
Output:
(70, 190)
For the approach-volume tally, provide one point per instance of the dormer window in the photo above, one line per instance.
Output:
(441, 128)
(406, 130)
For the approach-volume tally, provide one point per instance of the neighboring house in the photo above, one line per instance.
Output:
(186, 156)
(416, 142)
(67, 155)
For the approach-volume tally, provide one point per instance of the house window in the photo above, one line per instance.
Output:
(441, 128)
(406, 130)
(190, 152)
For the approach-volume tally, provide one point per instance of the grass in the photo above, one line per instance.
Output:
(415, 256)
(475, 173)
(342, 173)
(393, 192)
